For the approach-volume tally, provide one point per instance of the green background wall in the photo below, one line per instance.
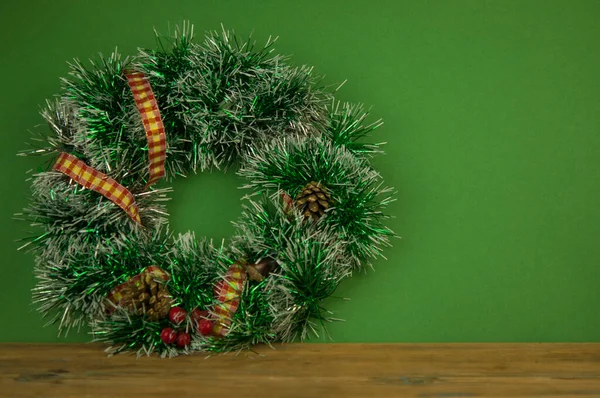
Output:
(492, 115)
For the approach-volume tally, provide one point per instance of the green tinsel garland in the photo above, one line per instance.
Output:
(225, 103)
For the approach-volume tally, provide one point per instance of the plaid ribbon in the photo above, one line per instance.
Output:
(91, 178)
(228, 293)
(155, 129)
(116, 294)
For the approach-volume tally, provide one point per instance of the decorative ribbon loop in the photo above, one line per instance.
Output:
(155, 129)
(228, 293)
(91, 178)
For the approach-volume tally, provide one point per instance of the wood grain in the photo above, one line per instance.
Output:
(307, 370)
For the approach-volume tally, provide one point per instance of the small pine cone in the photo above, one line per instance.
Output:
(145, 296)
(313, 200)
(262, 269)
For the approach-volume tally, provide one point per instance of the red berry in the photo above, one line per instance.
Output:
(183, 339)
(205, 327)
(197, 314)
(177, 315)
(168, 335)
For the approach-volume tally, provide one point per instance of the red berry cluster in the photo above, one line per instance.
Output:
(177, 316)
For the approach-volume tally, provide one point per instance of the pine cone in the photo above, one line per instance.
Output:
(313, 200)
(143, 295)
(260, 270)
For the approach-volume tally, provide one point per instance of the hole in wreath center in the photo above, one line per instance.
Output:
(206, 203)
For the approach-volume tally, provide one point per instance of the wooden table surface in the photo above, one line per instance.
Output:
(307, 370)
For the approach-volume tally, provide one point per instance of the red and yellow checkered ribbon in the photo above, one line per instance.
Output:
(90, 178)
(228, 293)
(155, 129)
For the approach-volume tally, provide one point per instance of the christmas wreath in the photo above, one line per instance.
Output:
(105, 257)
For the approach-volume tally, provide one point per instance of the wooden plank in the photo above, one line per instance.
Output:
(307, 370)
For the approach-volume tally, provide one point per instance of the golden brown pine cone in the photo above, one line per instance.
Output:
(313, 200)
(260, 270)
(145, 296)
